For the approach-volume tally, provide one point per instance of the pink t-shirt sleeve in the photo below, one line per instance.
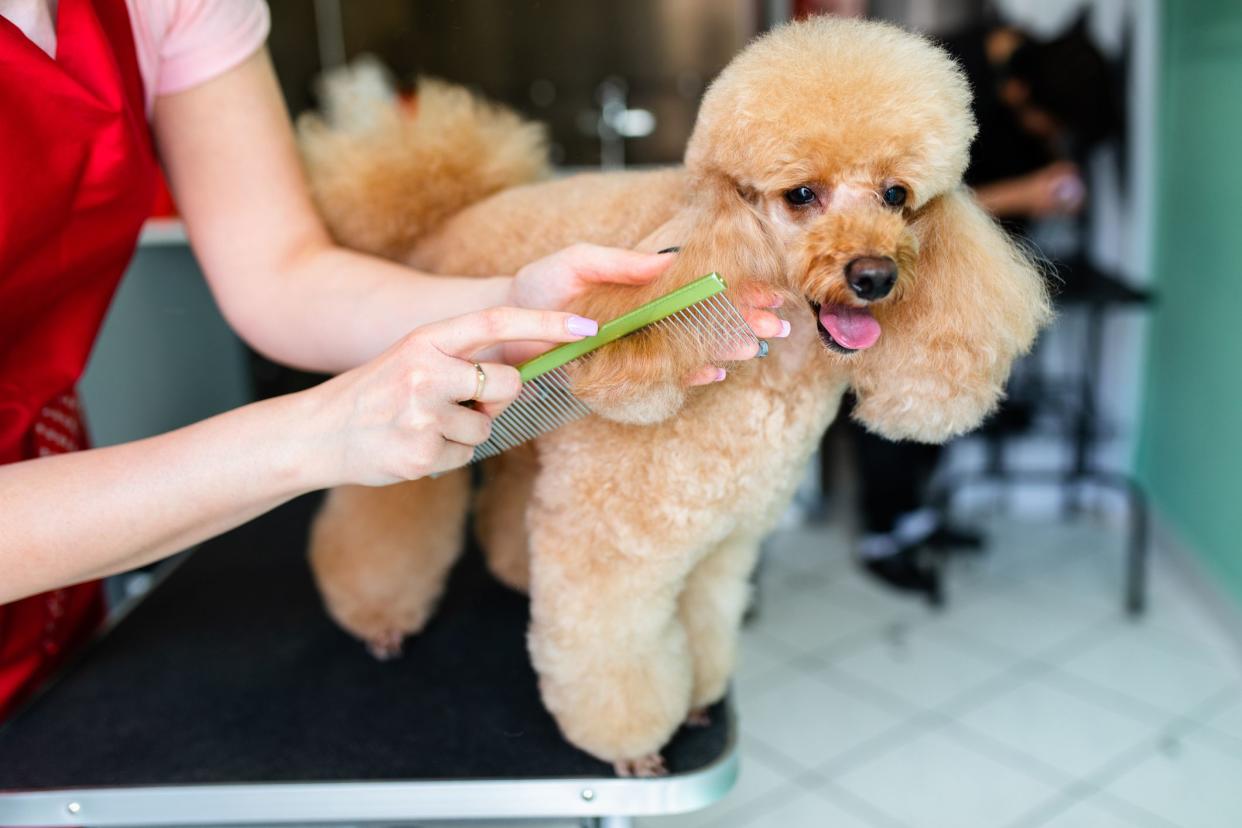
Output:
(206, 38)
(182, 43)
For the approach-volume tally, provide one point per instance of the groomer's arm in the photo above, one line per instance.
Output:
(1053, 190)
(228, 150)
(284, 286)
(78, 516)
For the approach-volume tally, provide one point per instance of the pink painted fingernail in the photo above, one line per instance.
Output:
(785, 329)
(582, 326)
(720, 374)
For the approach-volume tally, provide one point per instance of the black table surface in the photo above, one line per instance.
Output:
(230, 671)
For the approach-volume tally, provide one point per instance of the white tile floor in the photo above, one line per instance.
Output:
(1029, 703)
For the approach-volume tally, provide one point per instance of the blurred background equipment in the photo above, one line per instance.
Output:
(616, 82)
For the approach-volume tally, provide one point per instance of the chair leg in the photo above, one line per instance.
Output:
(1137, 554)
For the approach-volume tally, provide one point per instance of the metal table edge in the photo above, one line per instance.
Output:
(338, 802)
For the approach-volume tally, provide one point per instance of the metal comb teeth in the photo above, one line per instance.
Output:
(713, 324)
(547, 402)
(544, 403)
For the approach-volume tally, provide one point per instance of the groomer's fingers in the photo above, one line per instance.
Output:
(501, 383)
(757, 304)
(466, 426)
(740, 353)
(462, 336)
(515, 353)
(766, 324)
(453, 455)
(594, 263)
(705, 375)
(758, 296)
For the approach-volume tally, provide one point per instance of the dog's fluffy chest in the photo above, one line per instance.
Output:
(729, 460)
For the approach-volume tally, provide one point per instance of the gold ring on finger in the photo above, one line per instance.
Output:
(480, 382)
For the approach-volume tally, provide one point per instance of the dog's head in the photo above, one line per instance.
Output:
(827, 162)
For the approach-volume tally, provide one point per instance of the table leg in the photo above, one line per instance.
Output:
(617, 822)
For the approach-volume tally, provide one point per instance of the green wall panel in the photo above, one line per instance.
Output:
(1190, 450)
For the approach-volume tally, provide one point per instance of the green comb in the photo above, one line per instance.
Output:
(698, 311)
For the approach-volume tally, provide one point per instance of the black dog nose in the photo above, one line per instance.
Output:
(871, 277)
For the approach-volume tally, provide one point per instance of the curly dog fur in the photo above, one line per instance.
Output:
(636, 530)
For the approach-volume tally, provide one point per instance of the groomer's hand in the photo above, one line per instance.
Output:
(399, 417)
(1055, 190)
(557, 280)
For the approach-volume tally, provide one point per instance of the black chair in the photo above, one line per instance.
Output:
(1072, 406)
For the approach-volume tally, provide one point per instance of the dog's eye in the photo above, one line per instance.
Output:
(800, 196)
(895, 196)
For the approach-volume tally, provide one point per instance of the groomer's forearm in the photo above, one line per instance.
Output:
(1003, 199)
(289, 291)
(332, 309)
(74, 517)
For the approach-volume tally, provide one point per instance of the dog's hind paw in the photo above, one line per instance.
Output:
(645, 766)
(699, 717)
(386, 646)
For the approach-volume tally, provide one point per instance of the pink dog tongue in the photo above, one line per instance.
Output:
(855, 328)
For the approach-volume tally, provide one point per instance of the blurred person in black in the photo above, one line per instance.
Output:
(1040, 105)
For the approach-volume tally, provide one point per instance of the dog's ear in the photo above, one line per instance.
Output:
(642, 379)
(729, 236)
(973, 303)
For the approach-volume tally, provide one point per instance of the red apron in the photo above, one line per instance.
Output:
(77, 173)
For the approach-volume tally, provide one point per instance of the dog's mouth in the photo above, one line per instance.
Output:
(845, 328)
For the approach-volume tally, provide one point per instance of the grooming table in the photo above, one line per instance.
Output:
(226, 696)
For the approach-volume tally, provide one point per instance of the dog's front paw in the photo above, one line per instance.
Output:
(699, 717)
(386, 645)
(644, 766)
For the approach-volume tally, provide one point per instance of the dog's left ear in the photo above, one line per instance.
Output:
(642, 379)
(973, 303)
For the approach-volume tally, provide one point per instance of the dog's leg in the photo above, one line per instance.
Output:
(500, 515)
(381, 555)
(711, 608)
(612, 656)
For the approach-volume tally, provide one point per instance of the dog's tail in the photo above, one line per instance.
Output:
(384, 171)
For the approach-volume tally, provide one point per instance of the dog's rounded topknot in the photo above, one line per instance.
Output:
(835, 93)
